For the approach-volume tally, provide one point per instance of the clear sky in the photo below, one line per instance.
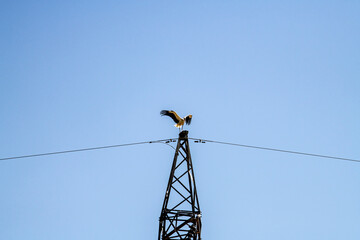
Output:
(281, 74)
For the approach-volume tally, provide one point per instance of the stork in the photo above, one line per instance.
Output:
(178, 120)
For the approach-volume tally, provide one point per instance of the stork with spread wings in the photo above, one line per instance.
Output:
(178, 120)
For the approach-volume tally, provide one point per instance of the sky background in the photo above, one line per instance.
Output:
(281, 74)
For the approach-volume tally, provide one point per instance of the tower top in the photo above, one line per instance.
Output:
(183, 134)
(180, 217)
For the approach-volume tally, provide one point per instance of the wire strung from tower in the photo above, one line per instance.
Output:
(166, 141)
(169, 140)
(199, 140)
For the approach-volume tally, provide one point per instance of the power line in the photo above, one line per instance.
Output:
(166, 141)
(274, 149)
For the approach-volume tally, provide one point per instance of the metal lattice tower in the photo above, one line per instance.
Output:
(180, 215)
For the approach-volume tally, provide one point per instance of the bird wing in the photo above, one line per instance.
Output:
(171, 114)
(188, 119)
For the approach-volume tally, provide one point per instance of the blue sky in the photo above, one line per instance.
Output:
(281, 74)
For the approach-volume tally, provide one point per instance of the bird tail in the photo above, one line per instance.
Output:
(178, 125)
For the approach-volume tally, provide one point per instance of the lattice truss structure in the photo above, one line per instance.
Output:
(181, 216)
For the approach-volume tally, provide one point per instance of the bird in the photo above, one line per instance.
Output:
(178, 120)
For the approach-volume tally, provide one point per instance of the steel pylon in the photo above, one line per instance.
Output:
(180, 215)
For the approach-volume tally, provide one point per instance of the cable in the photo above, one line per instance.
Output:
(166, 141)
(274, 149)
(87, 149)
